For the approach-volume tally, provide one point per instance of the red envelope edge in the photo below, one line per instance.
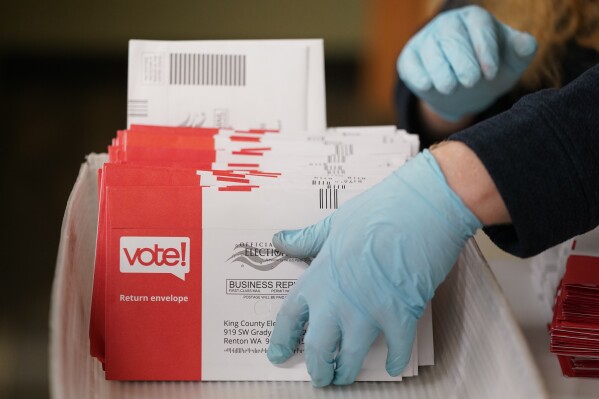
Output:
(165, 140)
(566, 366)
(574, 325)
(167, 157)
(575, 367)
(148, 340)
(122, 175)
(582, 270)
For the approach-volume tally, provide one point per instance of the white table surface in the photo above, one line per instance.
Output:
(514, 277)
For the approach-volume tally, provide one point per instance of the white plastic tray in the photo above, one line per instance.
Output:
(480, 351)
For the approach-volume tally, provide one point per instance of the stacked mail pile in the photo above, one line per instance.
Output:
(467, 361)
(575, 325)
(548, 267)
(187, 282)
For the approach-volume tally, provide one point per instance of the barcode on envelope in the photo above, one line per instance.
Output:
(137, 108)
(343, 150)
(195, 69)
(336, 158)
(328, 198)
(332, 169)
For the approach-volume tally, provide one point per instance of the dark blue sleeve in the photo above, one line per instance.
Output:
(543, 155)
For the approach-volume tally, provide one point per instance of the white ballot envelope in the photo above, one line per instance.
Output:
(268, 84)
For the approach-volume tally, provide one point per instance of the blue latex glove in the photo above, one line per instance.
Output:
(463, 60)
(379, 259)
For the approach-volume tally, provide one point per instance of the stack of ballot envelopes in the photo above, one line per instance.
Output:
(187, 281)
(226, 145)
(575, 324)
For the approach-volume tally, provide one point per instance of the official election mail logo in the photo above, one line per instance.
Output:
(160, 255)
(262, 256)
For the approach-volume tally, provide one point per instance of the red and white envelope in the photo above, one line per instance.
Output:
(115, 175)
(187, 282)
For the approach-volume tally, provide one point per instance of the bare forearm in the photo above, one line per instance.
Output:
(468, 178)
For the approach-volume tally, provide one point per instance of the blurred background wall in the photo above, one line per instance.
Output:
(63, 73)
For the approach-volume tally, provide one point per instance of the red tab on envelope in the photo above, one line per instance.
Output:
(153, 283)
(114, 175)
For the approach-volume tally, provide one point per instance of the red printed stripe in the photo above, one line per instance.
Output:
(258, 154)
(228, 173)
(237, 188)
(232, 179)
(258, 131)
(264, 174)
(245, 138)
(256, 149)
(243, 165)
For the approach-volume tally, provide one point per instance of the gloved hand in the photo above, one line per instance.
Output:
(379, 259)
(463, 60)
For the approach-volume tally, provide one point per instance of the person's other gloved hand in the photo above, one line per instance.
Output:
(379, 259)
(463, 60)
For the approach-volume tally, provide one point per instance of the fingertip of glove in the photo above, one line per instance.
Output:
(411, 72)
(394, 372)
(395, 368)
(342, 380)
(278, 354)
(320, 382)
(277, 238)
(525, 44)
(417, 83)
(422, 83)
(447, 88)
(470, 76)
(490, 71)
(282, 240)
